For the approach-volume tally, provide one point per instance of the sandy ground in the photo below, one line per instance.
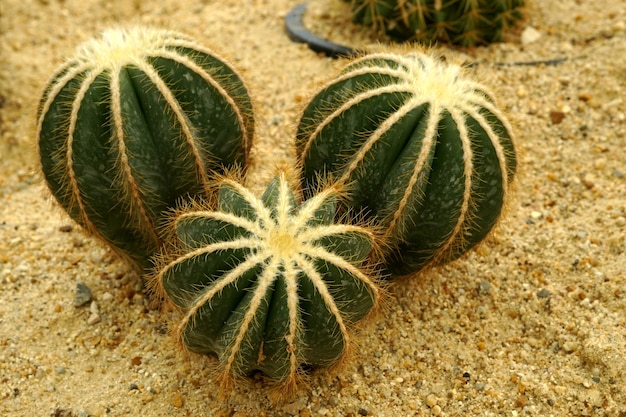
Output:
(533, 323)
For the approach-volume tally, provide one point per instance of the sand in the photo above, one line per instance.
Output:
(531, 323)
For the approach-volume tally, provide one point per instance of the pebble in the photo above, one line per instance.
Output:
(543, 293)
(431, 400)
(530, 35)
(93, 319)
(177, 401)
(82, 296)
(484, 287)
(556, 116)
(570, 347)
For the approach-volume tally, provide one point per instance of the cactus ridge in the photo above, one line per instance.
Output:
(269, 284)
(426, 153)
(133, 122)
(462, 22)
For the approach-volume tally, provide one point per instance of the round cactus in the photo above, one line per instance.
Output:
(421, 148)
(462, 22)
(267, 284)
(134, 121)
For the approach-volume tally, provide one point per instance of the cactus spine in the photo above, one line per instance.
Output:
(133, 122)
(266, 283)
(421, 148)
(462, 22)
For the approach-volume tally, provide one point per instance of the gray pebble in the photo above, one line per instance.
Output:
(484, 287)
(543, 293)
(83, 295)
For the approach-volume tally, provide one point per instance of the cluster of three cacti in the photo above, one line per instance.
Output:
(404, 163)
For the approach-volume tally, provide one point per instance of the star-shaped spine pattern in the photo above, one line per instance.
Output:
(269, 284)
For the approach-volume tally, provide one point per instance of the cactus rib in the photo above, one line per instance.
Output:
(266, 283)
(462, 22)
(421, 148)
(134, 121)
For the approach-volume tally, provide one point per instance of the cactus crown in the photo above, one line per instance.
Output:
(462, 22)
(266, 283)
(134, 121)
(421, 148)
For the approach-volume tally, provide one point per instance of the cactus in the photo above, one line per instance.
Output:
(461, 22)
(267, 284)
(422, 148)
(133, 122)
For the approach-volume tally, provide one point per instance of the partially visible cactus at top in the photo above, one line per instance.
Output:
(134, 121)
(268, 284)
(420, 147)
(461, 22)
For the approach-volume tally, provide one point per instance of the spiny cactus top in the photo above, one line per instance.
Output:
(462, 22)
(266, 283)
(134, 121)
(421, 147)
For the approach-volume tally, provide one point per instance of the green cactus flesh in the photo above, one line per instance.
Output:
(462, 22)
(268, 284)
(420, 148)
(133, 122)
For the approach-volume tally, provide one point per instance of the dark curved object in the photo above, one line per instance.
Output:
(298, 33)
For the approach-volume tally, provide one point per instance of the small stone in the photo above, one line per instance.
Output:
(107, 296)
(436, 410)
(431, 400)
(618, 174)
(93, 308)
(93, 319)
(177, 401)
(82, 413)
(543, 293)
(65, 228)
(60, 370)
(530, 35)
(556, 116)
(136, 361)
(588, 181)
(570, 347)
(484, 287)
(364, 411)
(82, 296)
(133, 387)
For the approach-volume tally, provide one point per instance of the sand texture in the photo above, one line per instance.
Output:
(532, 323)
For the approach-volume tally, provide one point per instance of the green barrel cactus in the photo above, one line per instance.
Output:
(133, 122)
(420, 147)
(268, 284)
(461, 22)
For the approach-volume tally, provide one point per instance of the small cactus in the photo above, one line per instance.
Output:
(421, 148)
(461, 22)
(134, 121)
(267, 284)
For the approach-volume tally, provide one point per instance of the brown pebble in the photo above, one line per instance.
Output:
(556, 116)
(177, 401)
(136, 361)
